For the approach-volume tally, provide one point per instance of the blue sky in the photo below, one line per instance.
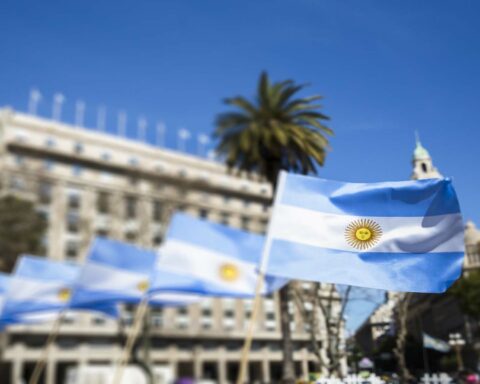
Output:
(385, 68)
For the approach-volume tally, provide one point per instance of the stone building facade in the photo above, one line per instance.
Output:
(88, 183)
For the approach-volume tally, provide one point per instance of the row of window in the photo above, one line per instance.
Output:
(78, 148)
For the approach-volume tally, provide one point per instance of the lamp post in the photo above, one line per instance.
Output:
(457, 342)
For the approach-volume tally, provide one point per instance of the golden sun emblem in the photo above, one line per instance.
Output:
(64, 294)
(229, 272)
(143, 286)
(363, 233)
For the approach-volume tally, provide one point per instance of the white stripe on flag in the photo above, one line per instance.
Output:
(23, 289)
(97, 277)
(205, 264)
(443, 233)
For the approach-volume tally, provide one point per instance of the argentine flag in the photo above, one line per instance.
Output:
(120, 272)
(398, 236)
(435, 344)
(206, 258)
(39, 289)
(114, 272)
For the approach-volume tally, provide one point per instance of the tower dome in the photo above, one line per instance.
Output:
(422, 163)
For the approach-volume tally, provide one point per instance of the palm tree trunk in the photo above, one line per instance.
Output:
(288, 376)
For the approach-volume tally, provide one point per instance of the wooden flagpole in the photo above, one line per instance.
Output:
(40, 365)
(127, 350)
(251, 328)
(259, 286)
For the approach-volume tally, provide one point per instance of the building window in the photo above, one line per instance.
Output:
(72, 250)
(44, 192)
(50, 142)
(245, 222)
(48, 164)
(157, 211)
(157, 240)
(19, 160)
(203, 213)
(229, 313)
(133, 161)
(424, 167)
(103, 202)
(225, 218)
(17, 183)
(102, 232)
(131, 236)
(270, 315)
(130, 207)
(73, 223)
(73, 199)
(105, 176)
(105, 156)
(77, 169)
(78, 148)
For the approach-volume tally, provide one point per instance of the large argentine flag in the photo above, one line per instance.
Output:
(399, 236)
(114, 272)
(40, 289)
(206, 258)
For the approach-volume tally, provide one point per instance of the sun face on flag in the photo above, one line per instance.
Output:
(229, 272)
(363, 233)
(143, 285)
(64, 294)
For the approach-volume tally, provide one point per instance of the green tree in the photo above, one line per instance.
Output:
(276, 131)
(467, 291)
(21, 230)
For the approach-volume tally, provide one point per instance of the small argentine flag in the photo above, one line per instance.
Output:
(398, 236)
(114, 272)
(206, 258)
(435, 344)
(41, 288)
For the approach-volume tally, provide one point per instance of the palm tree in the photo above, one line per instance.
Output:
(277, 131)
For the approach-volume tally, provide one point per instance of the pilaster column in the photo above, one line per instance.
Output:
(17, 370)
(197, 363)
(266, 371)
(222, 371)
(50, 372)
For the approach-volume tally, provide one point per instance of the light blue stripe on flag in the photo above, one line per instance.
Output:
(427, 197)
(399, 236)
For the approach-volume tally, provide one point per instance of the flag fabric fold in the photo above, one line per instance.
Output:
(399, 236)
(207, 258)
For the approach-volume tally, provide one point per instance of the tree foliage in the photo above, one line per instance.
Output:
(467, 291)
(21, 230)
(277, 130)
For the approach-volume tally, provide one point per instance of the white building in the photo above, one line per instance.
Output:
(88, 183)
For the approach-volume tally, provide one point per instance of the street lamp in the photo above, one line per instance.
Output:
(457, 342)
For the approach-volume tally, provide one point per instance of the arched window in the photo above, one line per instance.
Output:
(424, 167)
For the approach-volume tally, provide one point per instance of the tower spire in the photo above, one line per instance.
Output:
(422, 162)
